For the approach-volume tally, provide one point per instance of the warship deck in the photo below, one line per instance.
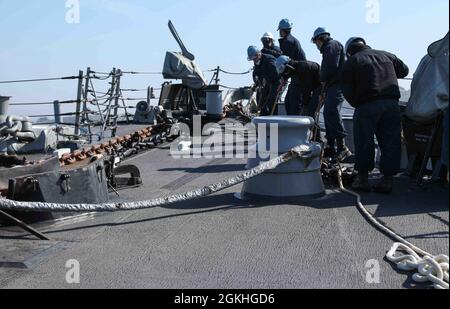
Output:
(220, 242)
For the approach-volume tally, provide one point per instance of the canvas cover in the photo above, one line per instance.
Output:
(177, 66)
(430, 86)
(86, 184)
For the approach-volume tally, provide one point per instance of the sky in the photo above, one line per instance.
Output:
(37, 40)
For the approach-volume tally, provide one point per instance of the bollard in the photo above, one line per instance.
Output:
(298, 179)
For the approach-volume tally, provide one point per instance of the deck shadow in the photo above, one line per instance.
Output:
(206, 205)
(404, 201)
(386, 206)
(330, 201)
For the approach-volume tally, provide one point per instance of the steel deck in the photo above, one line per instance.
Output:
(221, 242)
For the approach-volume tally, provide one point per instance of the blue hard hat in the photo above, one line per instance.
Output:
(352, 41)
(281, 63)
(252, 52)
(319, 31)
(285, 24)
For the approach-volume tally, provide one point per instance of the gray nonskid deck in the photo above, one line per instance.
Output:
(222, 242)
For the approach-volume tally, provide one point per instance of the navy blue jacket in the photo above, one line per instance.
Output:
(307, 73)
(267, 70)
(333, 61)
(273, 51)
(371, 75)
(292, 48)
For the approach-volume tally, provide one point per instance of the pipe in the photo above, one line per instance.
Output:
(57, 111)
(4, 105)
(23, 225)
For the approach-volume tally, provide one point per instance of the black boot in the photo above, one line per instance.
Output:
(361, 183)
(385, 186)
(330, 150)
(343, 153)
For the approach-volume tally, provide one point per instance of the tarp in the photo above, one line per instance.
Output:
(430, 86)
(177, 66)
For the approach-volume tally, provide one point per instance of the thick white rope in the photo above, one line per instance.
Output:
(428, 268)
(304, 152)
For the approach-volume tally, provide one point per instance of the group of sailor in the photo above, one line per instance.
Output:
(365, 77)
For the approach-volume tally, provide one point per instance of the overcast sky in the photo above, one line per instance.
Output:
(37, 40)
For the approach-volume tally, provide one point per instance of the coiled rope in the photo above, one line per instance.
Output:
(428, 268)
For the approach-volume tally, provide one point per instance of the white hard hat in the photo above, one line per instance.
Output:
(268, 35)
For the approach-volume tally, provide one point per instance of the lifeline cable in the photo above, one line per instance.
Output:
(301, 151)
(142, 73)
(37, 80)
(227, 87)
(235, 73)
(42, 103)
(133, 90)
(228, 72)
(429, 268)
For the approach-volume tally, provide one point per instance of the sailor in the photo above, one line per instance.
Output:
(333, 59)
(269, 46)
(292, 48)
(370, 84)
(308, 73)
(289, 45)
(265, 74)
